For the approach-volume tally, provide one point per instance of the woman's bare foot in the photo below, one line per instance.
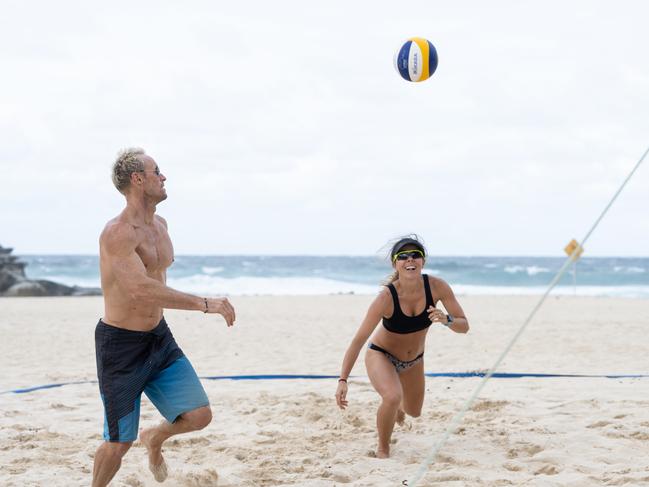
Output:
(150, 439)
(381, 453)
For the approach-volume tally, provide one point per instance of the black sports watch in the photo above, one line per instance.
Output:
(449, 320)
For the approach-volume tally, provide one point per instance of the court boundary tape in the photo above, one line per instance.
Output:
(457, 375)
(459, 416)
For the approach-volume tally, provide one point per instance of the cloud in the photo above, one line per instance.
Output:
(284, 126)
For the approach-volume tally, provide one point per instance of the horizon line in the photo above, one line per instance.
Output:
(478, 256)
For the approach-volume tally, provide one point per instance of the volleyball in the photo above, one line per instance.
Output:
(416, 60)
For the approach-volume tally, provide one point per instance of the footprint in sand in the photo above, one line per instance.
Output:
(547, 470)
(339, 476)
(487, 405)
(133, 481)
(441, 458)
(63, 407)
(355, 421)
(640, 435)
(198, 441)
(528, 449)
(599, 424)
(206, 478)
(265, 442)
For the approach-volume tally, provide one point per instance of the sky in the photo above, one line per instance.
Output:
(283, 128)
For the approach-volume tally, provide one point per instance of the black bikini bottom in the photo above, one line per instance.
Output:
(399, 365)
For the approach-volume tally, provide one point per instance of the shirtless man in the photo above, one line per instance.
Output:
(136, 351)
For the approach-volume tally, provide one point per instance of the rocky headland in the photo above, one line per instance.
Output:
(14, 282)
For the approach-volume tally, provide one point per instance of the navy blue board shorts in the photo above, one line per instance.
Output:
(132, 362)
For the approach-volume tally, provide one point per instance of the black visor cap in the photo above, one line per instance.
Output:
(407, 241)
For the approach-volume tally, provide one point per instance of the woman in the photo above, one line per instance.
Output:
(395, 355)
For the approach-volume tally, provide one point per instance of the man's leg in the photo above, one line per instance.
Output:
(179, 396)
(121, 382)
(154, 437)
(118, 438)
(108, 459)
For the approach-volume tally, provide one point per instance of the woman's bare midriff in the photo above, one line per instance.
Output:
(404, 346)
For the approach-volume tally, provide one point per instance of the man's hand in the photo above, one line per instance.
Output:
(221, 306)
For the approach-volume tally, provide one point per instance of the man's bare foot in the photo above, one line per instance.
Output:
(159, 471)
(401, 417)
(157, 465)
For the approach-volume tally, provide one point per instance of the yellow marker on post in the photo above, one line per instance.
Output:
(570, 249)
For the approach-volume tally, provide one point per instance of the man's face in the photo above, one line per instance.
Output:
(153, 180)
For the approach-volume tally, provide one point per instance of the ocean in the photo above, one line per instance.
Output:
(300, 275)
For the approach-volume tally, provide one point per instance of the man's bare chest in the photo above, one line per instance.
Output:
(155, 249)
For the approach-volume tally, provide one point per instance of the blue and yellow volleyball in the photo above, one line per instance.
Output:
(416, 60)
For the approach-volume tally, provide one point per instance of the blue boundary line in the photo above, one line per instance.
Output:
(460, 375)
(511, 375)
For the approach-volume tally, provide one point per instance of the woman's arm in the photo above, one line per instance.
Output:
(445, 294)
(372, 318)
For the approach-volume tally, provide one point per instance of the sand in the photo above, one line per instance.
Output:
(527, 431)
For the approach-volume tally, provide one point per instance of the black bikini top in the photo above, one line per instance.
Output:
(399, 322)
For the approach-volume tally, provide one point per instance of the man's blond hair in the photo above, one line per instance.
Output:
(128, 161)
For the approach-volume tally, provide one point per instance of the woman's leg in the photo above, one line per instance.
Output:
(413, 384)
(386, 382)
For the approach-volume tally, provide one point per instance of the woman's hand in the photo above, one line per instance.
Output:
(341, 394)
(437, 315)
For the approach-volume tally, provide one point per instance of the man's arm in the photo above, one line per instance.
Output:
(118, 245)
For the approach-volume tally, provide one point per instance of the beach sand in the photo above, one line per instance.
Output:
(525, 431)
